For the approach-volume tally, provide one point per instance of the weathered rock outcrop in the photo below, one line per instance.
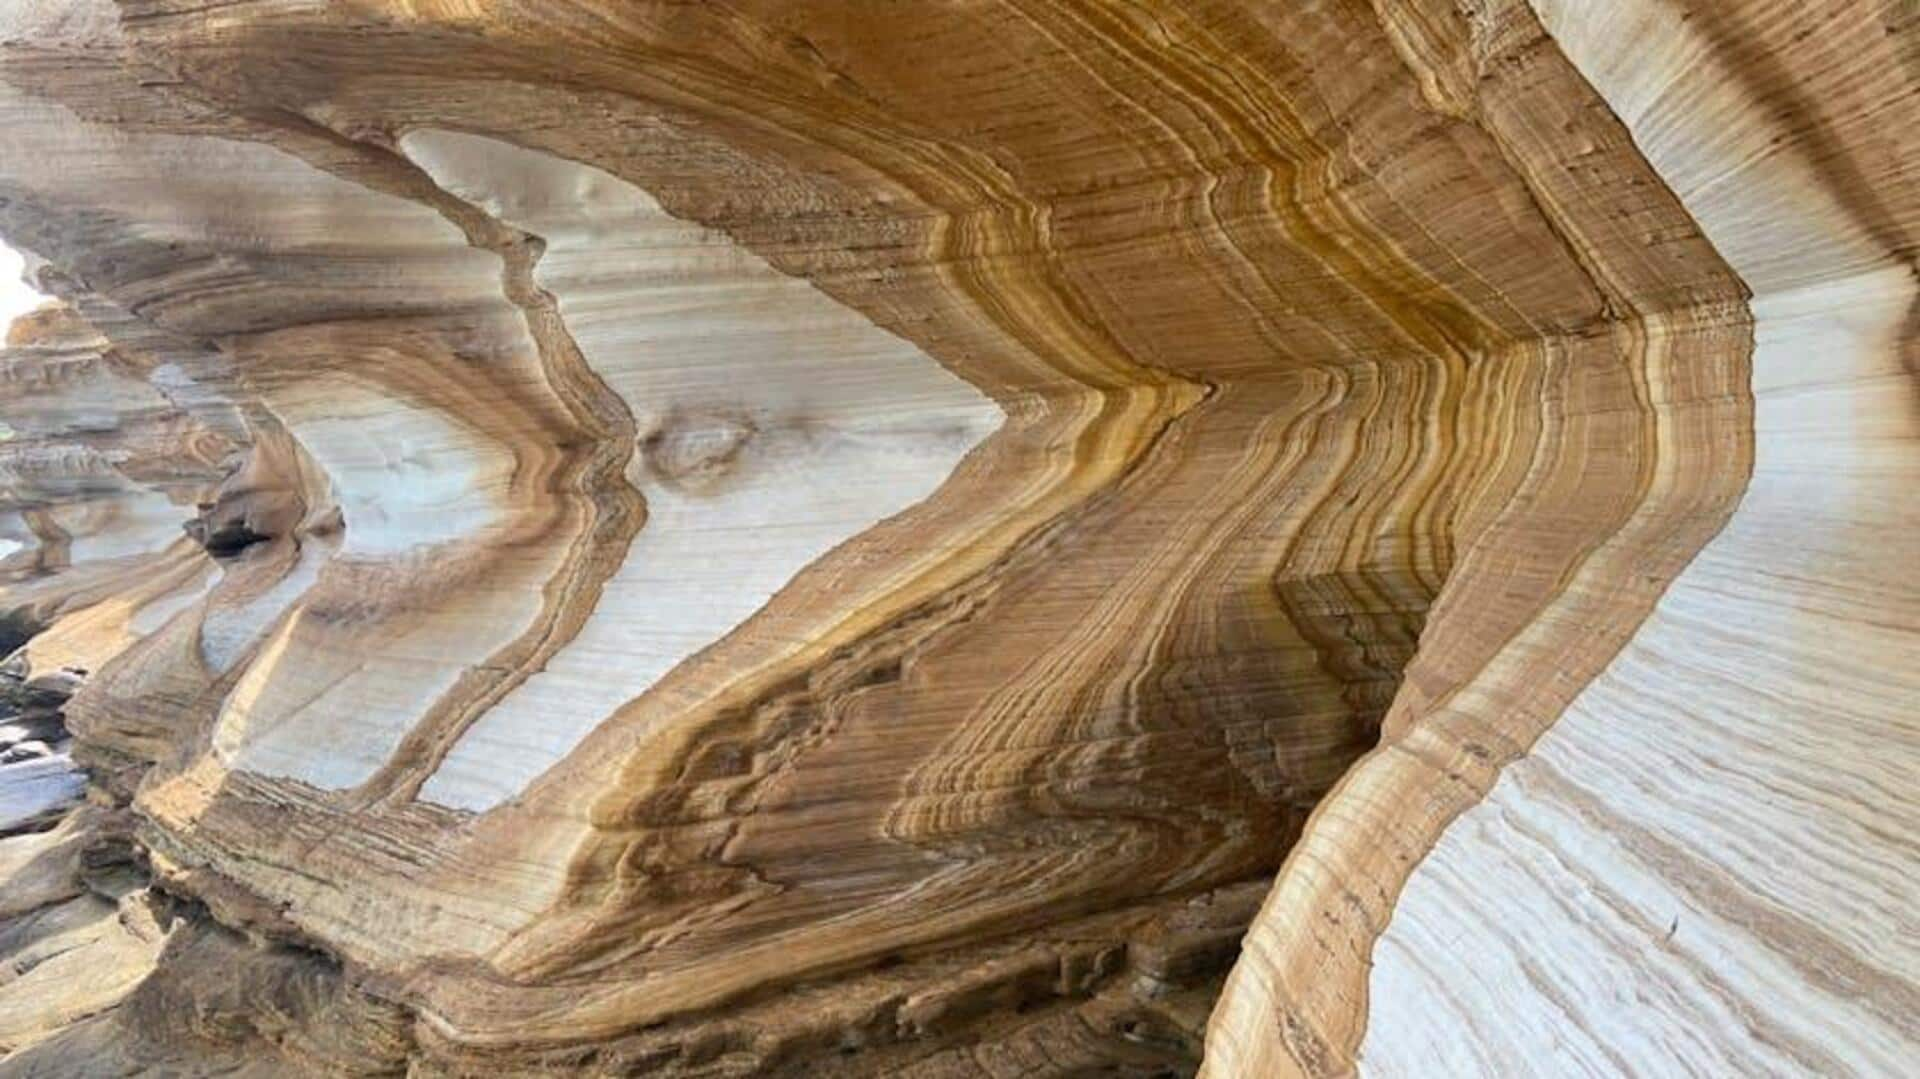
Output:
(885, 539)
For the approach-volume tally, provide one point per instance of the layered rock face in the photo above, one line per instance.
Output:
(965, 539)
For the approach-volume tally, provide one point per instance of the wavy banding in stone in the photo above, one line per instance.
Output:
(804, 538)
(772, 425)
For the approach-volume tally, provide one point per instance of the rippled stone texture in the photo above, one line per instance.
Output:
(842, 538)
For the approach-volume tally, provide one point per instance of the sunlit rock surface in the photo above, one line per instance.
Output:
(980, 539)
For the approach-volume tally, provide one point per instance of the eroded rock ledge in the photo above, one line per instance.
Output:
(899, 539)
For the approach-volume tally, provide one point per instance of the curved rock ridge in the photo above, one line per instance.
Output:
(792, 538)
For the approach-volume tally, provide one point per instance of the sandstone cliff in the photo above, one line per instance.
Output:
(992, 538)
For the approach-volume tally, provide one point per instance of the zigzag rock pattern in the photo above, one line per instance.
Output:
(993, 538)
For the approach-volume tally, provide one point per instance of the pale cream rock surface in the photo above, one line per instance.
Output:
(773, 424)
(1707, 865)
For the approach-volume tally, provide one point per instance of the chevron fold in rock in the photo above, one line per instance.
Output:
(1006, 537)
